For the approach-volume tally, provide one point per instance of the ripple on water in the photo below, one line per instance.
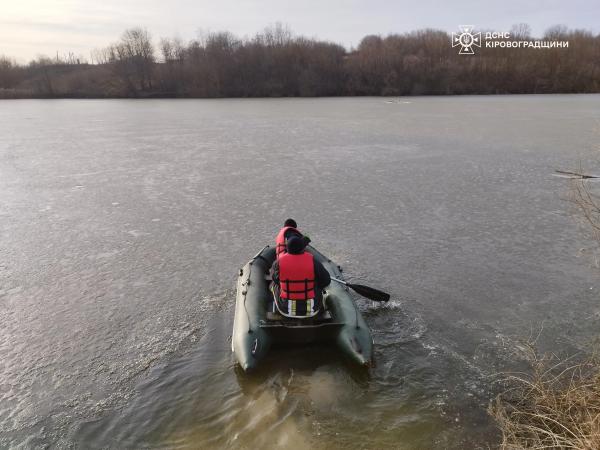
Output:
(300, 398)
(390, 325)
(50, 396)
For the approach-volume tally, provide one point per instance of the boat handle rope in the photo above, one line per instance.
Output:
(247, 283)
(245, 293)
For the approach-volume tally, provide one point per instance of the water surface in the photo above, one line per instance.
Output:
(123, 224)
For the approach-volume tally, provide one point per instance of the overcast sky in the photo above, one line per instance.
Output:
(32, 27)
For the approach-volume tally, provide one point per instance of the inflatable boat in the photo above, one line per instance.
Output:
(256, 330)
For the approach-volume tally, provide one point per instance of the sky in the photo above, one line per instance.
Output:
(29, 28)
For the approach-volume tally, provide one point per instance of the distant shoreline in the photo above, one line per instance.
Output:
(383, 97)
(277, 64)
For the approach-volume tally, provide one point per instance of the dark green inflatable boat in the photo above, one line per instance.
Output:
(255, 331)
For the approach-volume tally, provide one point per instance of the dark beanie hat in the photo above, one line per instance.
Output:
(290, 223)
(295, 245)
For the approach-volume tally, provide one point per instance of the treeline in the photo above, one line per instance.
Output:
(275, 63)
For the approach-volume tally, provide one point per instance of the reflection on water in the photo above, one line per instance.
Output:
(123, 224)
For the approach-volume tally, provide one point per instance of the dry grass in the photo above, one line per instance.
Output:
(587, 204)
(555, 406)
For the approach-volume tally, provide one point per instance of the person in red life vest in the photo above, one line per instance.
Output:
(290, 228)
(298, 281)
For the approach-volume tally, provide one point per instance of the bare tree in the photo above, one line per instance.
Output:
(133, 59)
(520, 31)
(9, 72)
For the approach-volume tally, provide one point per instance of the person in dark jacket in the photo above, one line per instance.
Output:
(298, 281)
(289, 229)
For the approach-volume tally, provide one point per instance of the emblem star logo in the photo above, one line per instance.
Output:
(466, 39)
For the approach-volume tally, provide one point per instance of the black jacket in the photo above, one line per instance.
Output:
(291, 232)
(295, 232)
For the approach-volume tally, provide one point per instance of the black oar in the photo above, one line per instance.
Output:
(366, 291)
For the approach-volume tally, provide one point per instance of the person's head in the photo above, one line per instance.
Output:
(290, 223)
(295, 245)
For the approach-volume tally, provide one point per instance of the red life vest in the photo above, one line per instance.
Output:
(296, 276)
(280, 240)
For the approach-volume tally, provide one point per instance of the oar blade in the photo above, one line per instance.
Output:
(370, 293)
